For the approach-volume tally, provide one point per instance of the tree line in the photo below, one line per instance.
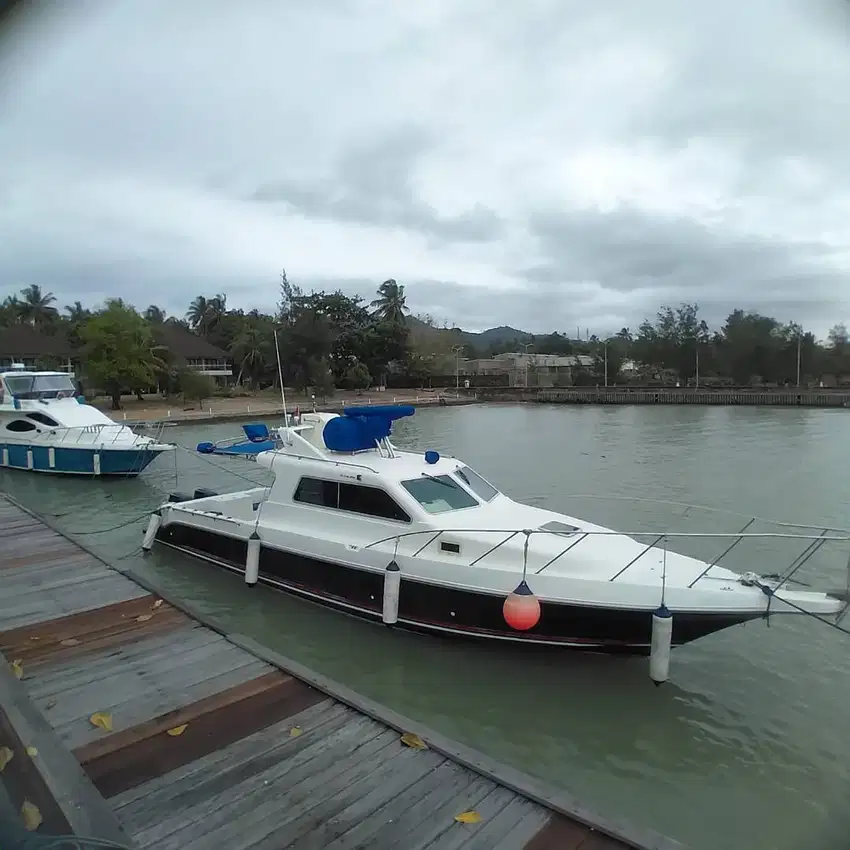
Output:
(329, 339)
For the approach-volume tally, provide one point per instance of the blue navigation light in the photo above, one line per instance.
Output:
(431, 456)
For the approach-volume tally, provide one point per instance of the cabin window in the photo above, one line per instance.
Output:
(43, 419)
(439, 493)
(354, 498)
(454, 548)
(20, 425)
(315, 491)
(483, 489)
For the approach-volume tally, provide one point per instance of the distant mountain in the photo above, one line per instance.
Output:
(497, 336)
(492, 337)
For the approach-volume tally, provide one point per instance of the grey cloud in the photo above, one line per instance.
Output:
(312, 109)
(372, 184)
(649, 260)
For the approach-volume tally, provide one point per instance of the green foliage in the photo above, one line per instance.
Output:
(118, 350)
(357, 377)
(194, 386)
(329, 339)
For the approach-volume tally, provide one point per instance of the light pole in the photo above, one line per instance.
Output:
(605, 352)
(526, 347)
(457, 350)
(696, 377)
(799, 352)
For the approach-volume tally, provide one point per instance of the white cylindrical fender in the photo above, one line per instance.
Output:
(5, 456)
(29, 458)
(51, 457)
(150, 533)
(392, 588)
(96, 463)
(661, 644)
(252, 560)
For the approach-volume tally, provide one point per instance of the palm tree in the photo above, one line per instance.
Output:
(250, 349)
(390, 305)
(37, 307)
(11, 311)
(155, 315)
(197, 312)
(205, 313)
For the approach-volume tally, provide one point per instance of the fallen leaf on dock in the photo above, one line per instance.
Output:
(156, 604)
(412, 740)
(32, 752)
(103, 720)
(31, 815)
(6, 755)
(143, 618)
(18, 668)
(51, 703)
(468, 817)
(177, 730)
(295, 731)
(35, 638)
(70, 642)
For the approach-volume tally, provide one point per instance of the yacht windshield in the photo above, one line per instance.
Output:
(40, 386)
(476, 483)
(439, 493)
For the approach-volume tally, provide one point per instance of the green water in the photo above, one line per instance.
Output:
(747, 746)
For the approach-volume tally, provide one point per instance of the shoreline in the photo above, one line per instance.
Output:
(259, 410)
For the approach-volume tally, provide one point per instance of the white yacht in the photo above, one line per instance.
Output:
(424, 542)
(46, 427)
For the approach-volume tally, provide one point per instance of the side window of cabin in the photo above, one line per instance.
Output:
(43, 419)
(314, 491)
(371, 501)
(20, 426)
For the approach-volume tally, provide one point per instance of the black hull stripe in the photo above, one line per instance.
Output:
(434, 608)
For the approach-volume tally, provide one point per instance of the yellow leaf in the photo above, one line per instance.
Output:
(295, 731)
(18, 668)
(6, 755)
(32, 752)
(31, 815)
(143, 618)
(468, 817)
(103, 720)
(412, 740)
(177, 730)
(70, 642)
(156, 604)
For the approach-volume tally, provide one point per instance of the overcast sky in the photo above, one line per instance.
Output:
(545, 164)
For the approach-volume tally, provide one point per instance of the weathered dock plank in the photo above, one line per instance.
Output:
(169, 733)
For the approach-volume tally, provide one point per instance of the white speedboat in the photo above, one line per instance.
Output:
(424, 542)
(45, 427)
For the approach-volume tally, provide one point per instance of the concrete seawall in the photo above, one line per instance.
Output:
(663, 395)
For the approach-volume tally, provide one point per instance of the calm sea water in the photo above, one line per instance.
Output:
(747, 746)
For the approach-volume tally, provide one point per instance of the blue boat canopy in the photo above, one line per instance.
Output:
(256, 432)
(360, 428)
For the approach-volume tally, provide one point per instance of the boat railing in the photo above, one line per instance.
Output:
(659, 541)
(101, 433)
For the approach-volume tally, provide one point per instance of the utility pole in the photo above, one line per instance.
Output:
(696, 378)
(457, 350)
(527, 346)
(799, 352)
(606, 361)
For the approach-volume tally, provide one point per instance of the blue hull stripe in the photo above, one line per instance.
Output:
(78, 461)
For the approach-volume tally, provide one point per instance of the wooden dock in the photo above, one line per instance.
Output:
(132, 720)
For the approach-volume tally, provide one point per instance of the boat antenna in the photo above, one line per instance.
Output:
(280, 376)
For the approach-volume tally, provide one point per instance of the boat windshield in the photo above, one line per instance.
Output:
(40, 386)
(439, 493)
(483, 489)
